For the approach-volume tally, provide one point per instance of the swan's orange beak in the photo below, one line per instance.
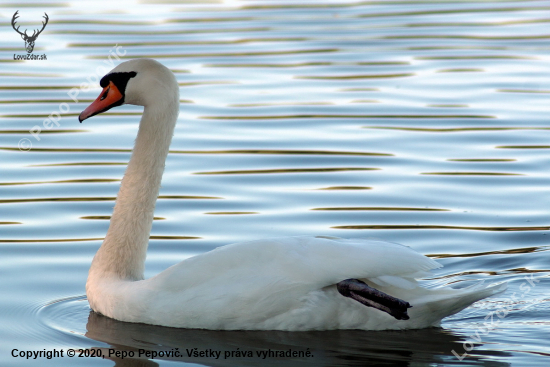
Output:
(110, 97)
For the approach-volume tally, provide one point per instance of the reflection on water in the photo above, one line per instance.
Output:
(329, 348)
(424, 123)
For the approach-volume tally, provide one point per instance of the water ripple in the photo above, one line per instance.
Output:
(426, 226)
(327, 116)
(98, 198)
(286, 170)
(382, 209)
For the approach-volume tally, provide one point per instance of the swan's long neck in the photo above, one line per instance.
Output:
(122, 254)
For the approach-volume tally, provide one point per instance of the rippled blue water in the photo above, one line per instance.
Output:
(419, 122)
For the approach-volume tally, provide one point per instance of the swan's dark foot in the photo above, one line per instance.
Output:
(371, 297)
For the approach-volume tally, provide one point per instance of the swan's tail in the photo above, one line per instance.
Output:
(435, 304)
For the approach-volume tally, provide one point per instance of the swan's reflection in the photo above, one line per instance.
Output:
(329, 348)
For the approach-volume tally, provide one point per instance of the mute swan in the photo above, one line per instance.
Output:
(287, 283)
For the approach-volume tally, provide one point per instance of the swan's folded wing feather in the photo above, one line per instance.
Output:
(328, 261)
(310, 262)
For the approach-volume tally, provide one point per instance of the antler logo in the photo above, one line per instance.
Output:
(29, 40)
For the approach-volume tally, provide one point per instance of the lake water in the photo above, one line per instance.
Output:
(419, 122)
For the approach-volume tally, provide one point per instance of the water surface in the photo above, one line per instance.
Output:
(419, 122)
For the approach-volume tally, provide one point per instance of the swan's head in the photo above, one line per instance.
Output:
(141, 82)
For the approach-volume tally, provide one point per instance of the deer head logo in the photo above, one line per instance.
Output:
(29, 40)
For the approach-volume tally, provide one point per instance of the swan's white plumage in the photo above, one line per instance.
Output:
(285, 283)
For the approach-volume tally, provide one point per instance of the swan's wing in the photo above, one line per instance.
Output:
(288, 284)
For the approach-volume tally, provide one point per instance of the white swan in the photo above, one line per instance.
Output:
(287, 283)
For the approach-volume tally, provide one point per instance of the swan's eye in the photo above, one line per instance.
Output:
(105, 94)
